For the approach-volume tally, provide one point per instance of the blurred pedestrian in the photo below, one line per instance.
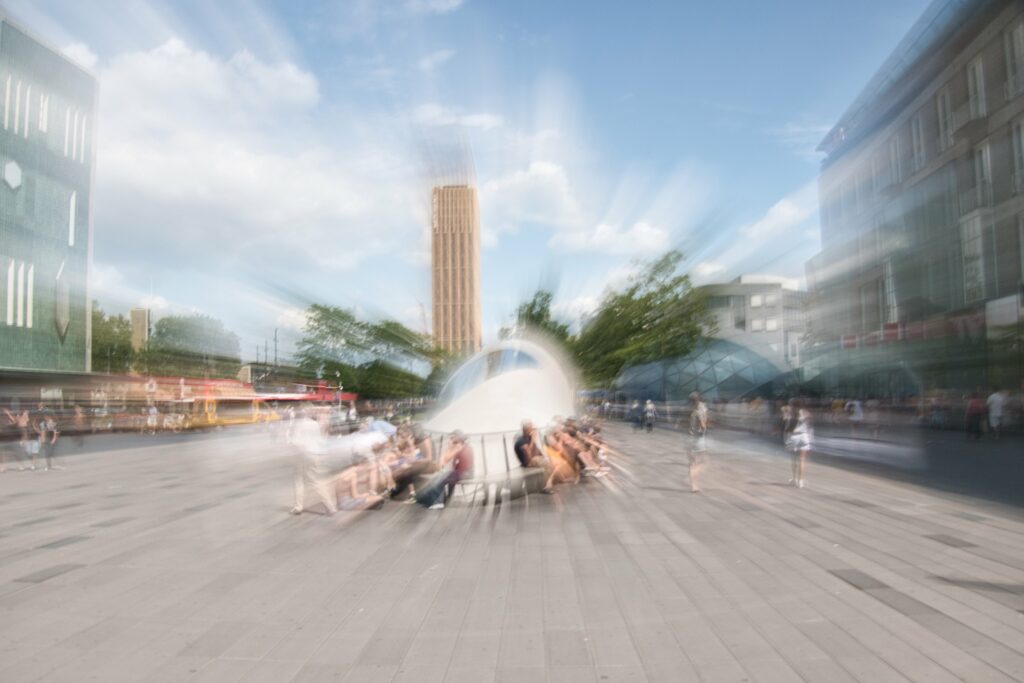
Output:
(10, 437)
(996, 403)
(636, 415)
(698, 440)
(800, 442)
(48, 433)
(973, 416)
(650, 415)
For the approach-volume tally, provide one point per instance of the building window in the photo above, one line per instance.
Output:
(44, 113)
(30, 289)
(17, 106)
(973, 250)
(739, 312)
(1013, 42)
(19, 311)
(976, 89)
(81, 152)
(72, 208)
(1017, 142)
(895, 166)
(944, 110)
(982, 175)
(7, 103)
(756, 324)
(917, 140)
(771, 324)
(756, 301)
(74, 139)
(10, 291)
(28, 110)
(770, 300)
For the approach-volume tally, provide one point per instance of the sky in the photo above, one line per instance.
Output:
(255, 157)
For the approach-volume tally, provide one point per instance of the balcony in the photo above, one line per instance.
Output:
(978, 197)
(971, 110)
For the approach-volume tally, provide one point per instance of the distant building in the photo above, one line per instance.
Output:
(140, 320)
(921, 202)
(763, 316)
(48, 111)
(455, 236)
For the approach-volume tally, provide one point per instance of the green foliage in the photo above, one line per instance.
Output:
(657, 315)
(367, 355)
(379, 379)
(535, 314)
(193, 346)
(111, 342)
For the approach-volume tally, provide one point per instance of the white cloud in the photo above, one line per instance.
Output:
(438, 115)
(539, 194)
(81, 54)
(435, 59)
(708, 269)
(637, 240)
(785, 215)
(293, 319)
(432, 6)
(220, 161)
(574, 310)
(802, 137)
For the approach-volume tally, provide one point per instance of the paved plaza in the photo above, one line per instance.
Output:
(177, 560)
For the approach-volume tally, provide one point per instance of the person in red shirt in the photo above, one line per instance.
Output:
(974, 416)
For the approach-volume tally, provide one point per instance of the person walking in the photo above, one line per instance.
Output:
(973, 416)
(636, 415)
(800, 442)
(995, 404)
(650, 415)
(698, 440)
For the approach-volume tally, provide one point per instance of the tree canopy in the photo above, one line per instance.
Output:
(111, 342)
(657, 315)
(535, 314)
(193, 345)
(375, 359)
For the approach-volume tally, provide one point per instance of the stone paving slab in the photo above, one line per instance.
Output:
(177, 560)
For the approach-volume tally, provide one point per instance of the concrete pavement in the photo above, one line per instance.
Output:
(179, 561)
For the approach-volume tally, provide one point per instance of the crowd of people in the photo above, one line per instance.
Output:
(380, 462)
(27, 433)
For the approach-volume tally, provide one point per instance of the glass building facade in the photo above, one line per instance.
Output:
(718, 369)
(47, 119)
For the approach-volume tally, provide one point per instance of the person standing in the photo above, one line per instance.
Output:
(996, 403)
(650, 415)
(800, 442)
(306, 440)
(698, 440)
(48, 433)
(973, 416)
(10, 435)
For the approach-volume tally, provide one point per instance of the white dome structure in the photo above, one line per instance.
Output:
(491, 394)
(502, 385)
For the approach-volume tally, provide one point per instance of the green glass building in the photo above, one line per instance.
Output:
(47, 123)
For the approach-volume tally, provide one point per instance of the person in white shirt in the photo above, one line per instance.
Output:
(306, 440)
(996, 401)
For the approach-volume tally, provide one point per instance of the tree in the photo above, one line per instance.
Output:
(657, 315)
(535, 314)
(379, 379)
(194, 345)
(111, 342)
(370, 358)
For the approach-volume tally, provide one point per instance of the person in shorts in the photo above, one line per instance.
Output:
(698, 439)
(800, 441)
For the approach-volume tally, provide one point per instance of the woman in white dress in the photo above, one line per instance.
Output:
(800, 442)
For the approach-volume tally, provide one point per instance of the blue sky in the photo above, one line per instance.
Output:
(255, 157)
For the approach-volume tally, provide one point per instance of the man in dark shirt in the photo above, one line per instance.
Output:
(526, 448)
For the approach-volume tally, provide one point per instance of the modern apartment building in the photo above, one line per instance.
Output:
(48, 111)
(921, 203)
(455, 223)
(763, 316)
